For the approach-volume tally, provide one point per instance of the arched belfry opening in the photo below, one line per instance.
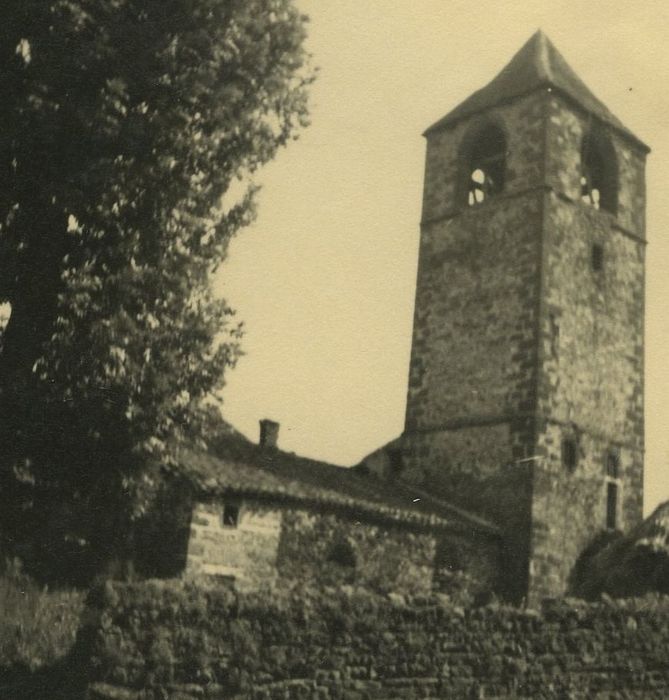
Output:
(599, 171)
(484, 163)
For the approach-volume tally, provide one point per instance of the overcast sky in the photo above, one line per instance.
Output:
(325, 279)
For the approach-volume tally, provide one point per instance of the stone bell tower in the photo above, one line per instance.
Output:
(525, 398)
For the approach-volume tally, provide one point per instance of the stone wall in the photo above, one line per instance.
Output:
(472, 385)
(186, 643)
(289, 543)
(591, 347)
(328, 550)
(472, 355)
(519, 341)
(473, 468)
(245, 551)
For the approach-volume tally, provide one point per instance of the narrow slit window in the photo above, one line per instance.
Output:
(613, 464)
(611, 505)
(569, 454)
(597, 257)
(554, 334)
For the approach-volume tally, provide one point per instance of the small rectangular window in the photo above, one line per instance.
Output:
(230, 515)
(555, 334)
(613, 464)
(569, 454)
(611, 505)
(597, 257)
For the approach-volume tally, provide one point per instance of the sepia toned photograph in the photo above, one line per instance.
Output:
(333, 350)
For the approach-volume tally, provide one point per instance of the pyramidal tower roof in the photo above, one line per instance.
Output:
(537, 65)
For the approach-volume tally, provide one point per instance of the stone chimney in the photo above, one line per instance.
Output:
(269, 433)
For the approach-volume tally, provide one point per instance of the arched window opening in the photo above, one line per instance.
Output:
(599, 180)
(486, 165)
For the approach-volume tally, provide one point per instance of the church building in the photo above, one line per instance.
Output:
(524, 431)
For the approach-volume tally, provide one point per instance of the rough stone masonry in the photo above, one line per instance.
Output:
(525, 399)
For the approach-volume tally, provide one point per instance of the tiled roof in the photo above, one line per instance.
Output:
(537, 65)
(237, 467)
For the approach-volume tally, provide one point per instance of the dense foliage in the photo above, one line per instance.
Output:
(124, 124)
(38, 627)
(626, 566)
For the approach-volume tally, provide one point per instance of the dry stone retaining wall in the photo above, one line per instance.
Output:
(176, 640)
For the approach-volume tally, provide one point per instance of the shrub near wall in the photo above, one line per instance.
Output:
(37, 627)
(176, 640)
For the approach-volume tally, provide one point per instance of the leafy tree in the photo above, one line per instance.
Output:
(124, 123)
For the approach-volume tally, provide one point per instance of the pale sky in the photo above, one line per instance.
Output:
(324, 280)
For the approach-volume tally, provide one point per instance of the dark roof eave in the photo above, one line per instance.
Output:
(474, 520)
(451, 119)
(413, 520)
